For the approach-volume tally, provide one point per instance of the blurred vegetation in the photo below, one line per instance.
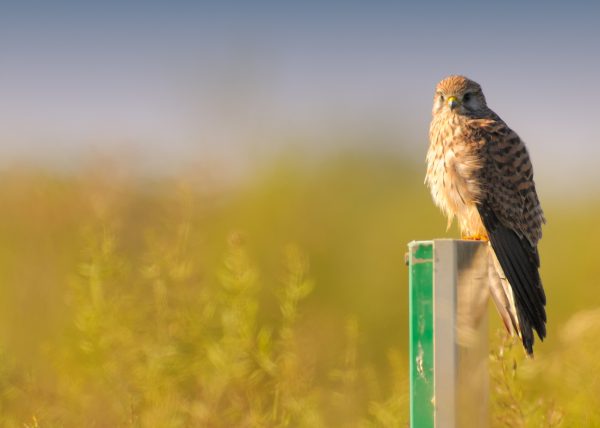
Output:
(276, 302)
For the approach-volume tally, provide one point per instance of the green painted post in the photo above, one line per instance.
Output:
(421, 334)
(449, 284)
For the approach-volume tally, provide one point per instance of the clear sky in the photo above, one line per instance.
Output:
(179, 79)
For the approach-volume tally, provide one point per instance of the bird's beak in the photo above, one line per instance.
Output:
(452, 103)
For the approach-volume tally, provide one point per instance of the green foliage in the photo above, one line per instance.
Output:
(176, 303)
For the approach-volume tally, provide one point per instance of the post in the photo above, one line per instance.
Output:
(448, 294)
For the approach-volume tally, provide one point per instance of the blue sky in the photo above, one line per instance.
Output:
(183, 79)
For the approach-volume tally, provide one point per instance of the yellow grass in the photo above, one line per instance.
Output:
(276, 302)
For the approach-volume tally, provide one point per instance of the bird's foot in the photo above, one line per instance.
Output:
(476, 237)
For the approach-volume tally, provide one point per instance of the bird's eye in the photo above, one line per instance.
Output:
(441, 96)
(466, 98)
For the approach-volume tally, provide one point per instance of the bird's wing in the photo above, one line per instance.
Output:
(512, 216)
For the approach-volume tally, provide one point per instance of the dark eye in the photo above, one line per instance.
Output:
(466, 98)
(441, 96)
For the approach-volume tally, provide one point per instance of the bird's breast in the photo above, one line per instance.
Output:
(453, 168)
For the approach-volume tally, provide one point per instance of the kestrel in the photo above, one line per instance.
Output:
(478, 170)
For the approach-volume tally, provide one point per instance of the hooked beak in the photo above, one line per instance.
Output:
(452, 103)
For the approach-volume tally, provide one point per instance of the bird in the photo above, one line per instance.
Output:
(479, 172)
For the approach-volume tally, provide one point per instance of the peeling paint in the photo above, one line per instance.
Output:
(419, 363)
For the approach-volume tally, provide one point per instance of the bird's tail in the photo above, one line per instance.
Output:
(517, 262)
(502, 294)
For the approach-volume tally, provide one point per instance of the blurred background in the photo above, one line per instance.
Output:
(205, 206)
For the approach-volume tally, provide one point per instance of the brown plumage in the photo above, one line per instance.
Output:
(478, 170)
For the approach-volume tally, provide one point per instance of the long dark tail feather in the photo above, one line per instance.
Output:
(520, 262)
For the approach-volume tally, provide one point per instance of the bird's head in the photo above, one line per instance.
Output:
(458, 95)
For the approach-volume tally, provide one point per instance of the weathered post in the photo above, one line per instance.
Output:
(448, 294)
